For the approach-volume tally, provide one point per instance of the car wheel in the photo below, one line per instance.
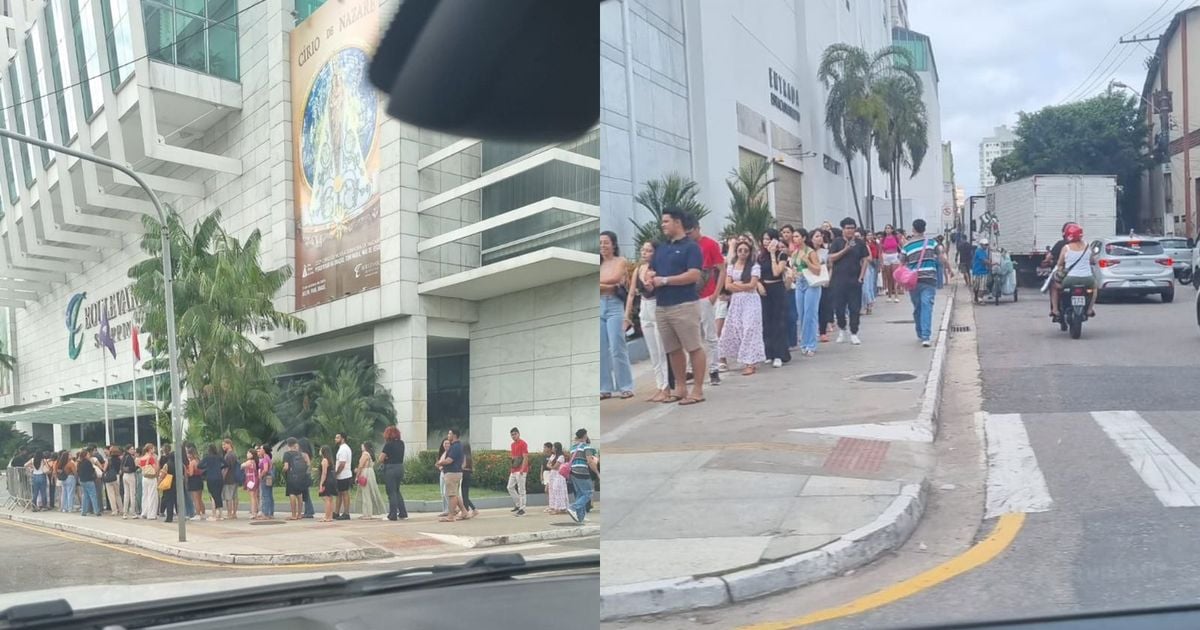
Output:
(1168, 296)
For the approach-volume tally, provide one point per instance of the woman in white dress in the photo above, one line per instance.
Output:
(370, 500)
(558, 483)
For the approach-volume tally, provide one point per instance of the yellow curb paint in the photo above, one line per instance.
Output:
(979, 554)
(167, 559)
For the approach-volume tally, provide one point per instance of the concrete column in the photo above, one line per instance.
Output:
(400, 351)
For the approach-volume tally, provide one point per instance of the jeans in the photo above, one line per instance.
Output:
(847, 296)
(308, 506)
(68, 496)
(516, 486)
(870, 290)
(267, 500)
(922, 301)
(442, 487)
(793, 317)
(40, 489)
(583, 495)
(90, 498)
(658, 358)
(615, 371)
(393, 474)
(465, 491)
(808, 300)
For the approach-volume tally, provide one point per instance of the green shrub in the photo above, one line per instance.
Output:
(491, 470)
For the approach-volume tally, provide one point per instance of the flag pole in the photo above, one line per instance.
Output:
(135, 414)
(154, 392)
(107, 429)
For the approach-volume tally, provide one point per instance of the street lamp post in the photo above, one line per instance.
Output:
(169, 298)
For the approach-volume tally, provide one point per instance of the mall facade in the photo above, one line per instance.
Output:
(465, 269)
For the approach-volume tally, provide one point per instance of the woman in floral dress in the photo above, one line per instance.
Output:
(558, 483)
(742, 336)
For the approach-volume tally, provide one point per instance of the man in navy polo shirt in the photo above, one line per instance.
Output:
(674, 272)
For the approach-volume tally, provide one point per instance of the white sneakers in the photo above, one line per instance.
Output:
(854, 340)
(925, 343)
(841, 338)
(777, 363)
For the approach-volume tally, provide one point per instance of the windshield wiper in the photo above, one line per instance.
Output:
(53, 613)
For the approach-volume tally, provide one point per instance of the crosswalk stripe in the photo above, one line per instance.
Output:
(1173, 477)
(1014, 481)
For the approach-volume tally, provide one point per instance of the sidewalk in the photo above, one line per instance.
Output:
(306, 541)
(779, 479)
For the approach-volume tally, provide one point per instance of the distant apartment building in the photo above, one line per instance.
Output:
(900, 13)
(999, 144)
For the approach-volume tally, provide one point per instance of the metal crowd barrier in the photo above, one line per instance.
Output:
(20, 488)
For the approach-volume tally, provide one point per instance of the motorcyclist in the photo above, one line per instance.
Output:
(1052, 259)
(1074, 268)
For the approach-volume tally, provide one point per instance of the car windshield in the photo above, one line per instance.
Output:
(1133, 248)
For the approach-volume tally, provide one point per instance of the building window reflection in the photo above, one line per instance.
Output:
(198, 34)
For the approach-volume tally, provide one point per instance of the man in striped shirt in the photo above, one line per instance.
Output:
(927, 258)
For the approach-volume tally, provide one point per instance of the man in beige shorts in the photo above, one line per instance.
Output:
(674, 272)
(452, 463)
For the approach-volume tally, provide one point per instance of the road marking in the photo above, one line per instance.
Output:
(979, 554)
(1014, 480)
(1173, 477)
(893, 431)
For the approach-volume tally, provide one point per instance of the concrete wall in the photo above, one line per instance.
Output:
(536, 353)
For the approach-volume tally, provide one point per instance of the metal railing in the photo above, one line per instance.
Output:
(19, 482)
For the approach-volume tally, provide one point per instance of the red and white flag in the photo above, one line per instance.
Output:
(137, 348)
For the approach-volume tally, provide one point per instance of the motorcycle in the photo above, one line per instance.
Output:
(1073, 310)
(1183, 273)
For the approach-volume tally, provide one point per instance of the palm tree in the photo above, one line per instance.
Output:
(749, 208)
(900, 131)
(222, 295)
(345, 395)
(660, 194)
(851, 76)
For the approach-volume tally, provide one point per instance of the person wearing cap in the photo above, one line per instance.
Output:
(980, 267)
(1052, 259)
(583, 464)
(1074, 269)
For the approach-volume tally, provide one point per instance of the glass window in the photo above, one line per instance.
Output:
(197, 34)
(87, 56)
(18, 96)
(305, 8)
(37, 87)
(56, 35)
(6, 149)
(118, 38)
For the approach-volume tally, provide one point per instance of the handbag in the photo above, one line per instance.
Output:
(164, 484)
(362, 480)
(907, 278)
(817, 280)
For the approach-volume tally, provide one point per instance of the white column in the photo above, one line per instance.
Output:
(400, 351)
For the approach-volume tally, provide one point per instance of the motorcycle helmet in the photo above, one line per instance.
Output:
(1067, 226)
(1073, 233)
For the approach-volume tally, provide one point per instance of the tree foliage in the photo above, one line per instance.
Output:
(749, 208)
(345, 395)
(1103, 135)
(900, 129)
(223, 296)
(658, 195)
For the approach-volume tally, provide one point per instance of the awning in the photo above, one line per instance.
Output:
(535, 269)
(79, 411)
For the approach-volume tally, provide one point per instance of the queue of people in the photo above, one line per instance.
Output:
(772, 293)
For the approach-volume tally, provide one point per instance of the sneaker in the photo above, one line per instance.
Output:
(722, 367)
(520, 513)
(926, 343)
(841, 338)
(572, 514)
(512, 510)
(714, 378)
(854, 340)
(777, 363)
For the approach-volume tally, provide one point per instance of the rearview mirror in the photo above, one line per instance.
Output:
(525, 70)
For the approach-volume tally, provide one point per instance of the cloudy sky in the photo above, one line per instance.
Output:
(998, 57)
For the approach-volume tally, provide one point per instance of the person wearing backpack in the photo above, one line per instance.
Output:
(923, 259)
(296, 477)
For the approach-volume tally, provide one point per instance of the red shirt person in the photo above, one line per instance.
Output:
(519, 451)
(713, 270)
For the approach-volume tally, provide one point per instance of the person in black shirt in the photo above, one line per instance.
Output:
(307, 449)
(849, 256)
(88, 469)
(168, 496)
(129, 483)
(18, 460)
(392, 459)
(773, 263)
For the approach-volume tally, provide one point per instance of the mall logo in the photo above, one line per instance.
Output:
(74, 330)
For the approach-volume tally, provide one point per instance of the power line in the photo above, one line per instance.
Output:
(1117, 62)
(1089, 76)
(1147, 18)
(103, 73)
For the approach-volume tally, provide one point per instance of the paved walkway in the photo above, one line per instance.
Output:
(778, 479)
(282, 541)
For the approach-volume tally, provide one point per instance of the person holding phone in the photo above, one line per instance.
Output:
(773, 263)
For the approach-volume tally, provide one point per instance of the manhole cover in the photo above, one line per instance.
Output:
(960, 329)
(888, 377)
(900, 321)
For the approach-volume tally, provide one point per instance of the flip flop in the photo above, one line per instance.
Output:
(626, 395)
(691, 401)
(672, 399)
(605, 396)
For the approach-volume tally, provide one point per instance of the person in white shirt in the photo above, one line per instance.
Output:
(345, 474)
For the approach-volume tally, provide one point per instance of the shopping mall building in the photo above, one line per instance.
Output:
(464, 269)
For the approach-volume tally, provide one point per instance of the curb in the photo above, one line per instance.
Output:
(854, 549)
(315, 557)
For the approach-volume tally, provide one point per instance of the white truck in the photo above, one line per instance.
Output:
(1026, 216)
